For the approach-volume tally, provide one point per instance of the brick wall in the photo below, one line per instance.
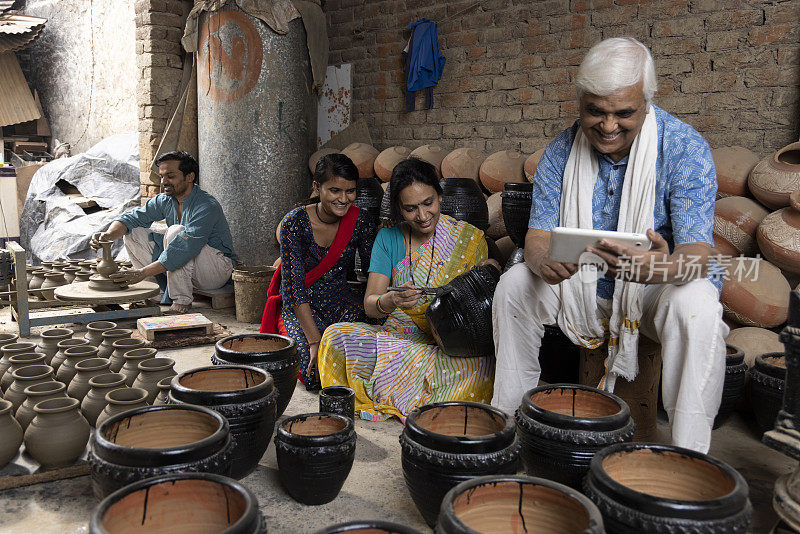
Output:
(730, 69)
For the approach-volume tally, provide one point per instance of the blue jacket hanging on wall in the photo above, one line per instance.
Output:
(423, 60)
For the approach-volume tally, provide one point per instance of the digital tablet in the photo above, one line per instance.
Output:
(567, 244)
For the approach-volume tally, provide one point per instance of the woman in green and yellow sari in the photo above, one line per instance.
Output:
(397, 367)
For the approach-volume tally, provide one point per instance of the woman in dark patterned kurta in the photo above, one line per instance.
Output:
(305, 236)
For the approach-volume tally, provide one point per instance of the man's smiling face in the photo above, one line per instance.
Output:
(612, 122)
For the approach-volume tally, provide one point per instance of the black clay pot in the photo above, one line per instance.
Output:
(315, 453)
(518, 256)
(662, 489)
(371, 526)
(493, 251)
(559, 358)
(503, 503)
(516, 205)
(244, 395)
(369, 194)
(185, 502)
(463, 200)
(157, 440)
(338, 399)
(767, 377)
(273, 353)
(461, 315)
(562, 426)
(446, 443)
(386, 206)
(735, 371)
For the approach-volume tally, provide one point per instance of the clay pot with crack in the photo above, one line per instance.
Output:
(736, 220)
(755, 293)
(36, 393)
(463, 163)
(774, 178)
(10, 433)
(733, 165)
(58, 434)
(94, 402)
(50, 340)
(433, 154)
(502, 167)
(766, 382)
(363, 157)
(386, 161)
(445, 443)
(735, 371)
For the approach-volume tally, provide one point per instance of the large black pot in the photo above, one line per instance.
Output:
(271, 352)
(386, 206)
(562, 426)
(370, 526)
(184, 502)
(368, 197)
(503, 503)
(158, 440)
(460, 316)
(463, 200)
(446, 443)
(516, 205)
(767, 378)
(559, 358)
(315, 453)
(244, 395)
(662, 489)
(518, 256)
(735, 371)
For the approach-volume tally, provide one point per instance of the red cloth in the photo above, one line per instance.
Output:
(272, 311)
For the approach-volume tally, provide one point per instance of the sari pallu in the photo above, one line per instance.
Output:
(397, 367)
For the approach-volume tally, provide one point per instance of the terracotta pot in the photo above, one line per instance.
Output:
(497, 226)
(462, 200)
(531, 163)
(50, 339)
(368, 197)
(505, 503)
(24, 377)
(85, 370)
(271, 352)
(95, 330)
(18, 361)
(363, 157)
(94, 402)
(36, 393)
(318, 155)
(501, 167)
(52, 281)
(776, 176)
(754, 342)
(561, 427)
(736, 220)
(766, 383)
(158, 440)
(121, 400)
(778, 235)
(386, 161)
(201, 502)
(659, 489)
(109, 337)
(506, 248)
(433, 154)
(120, 347)
(315, 453)
(244, 395)
(445, 443)
(10, 434)
(151, 370)
(368, 526)
(463, 163)
(164, 386)
(340, 400)
(58, 434)
(733, 165)
(130, 369)
(735, 370)
(37, 279)
(460, 317)
(755, 293)
(516, 206)
(10, 350)
(63, 345)
(73, 355)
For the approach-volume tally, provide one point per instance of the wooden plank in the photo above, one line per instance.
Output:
(175, 339)
(189, 324)
(220, 298)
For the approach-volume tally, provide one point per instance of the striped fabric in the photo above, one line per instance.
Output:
(396, 367)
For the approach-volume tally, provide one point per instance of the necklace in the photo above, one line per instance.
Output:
(316, 210)
(411, 264)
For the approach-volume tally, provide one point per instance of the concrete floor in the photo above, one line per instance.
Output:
(375, 487)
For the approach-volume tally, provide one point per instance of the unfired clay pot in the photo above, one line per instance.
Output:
(70, 272)
(18, 361)
(94, 331)
(130, 369)
(84, 371)
(73, 355)
(463, 163)
(95, 400)
(501, 167)
(50, 339)
(755, 293)
(27, 376)
(58, 434)
(10, 350)
(121, 400)
(733, 165)
(63, 345)
(754, 342)
(34, 395)
(363, 157)
(8, 338)
(497, 226)
(52, 281)
(779, 235)
(164, 385)
(735, 222)
(318, 155)
(82, 276)
(386, 161)
(433, 154)
(774, 178)
(120, 347)
(37, 278)
(10, 434)
(529, 167)
(105, 348)
(151, 371)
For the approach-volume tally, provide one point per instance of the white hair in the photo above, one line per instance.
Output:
(615, 64)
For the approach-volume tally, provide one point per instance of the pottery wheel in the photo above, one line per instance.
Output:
(82, 292)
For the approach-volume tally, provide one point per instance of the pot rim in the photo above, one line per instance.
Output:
(71, 342)
(762, 366)
(142, 355)
(122, 402)
(10, 336)
(82, 350)
(361, 524)
(96, 326)
(607, 422)
(142, 456)
(30, 390)
(43, 370)
(20, 345)
(728, 504)
(447, 511)
(159, 364)
(27, 357)
(335, 438)
(57, 333)
(205, 397)
(461, 444)
(249, 517)
(327, 391)
(116, 332)
(782, 165)
(96, 363)
(237, 357)
(95, 383)
(137, 343)
(57, 405)
(5, 406)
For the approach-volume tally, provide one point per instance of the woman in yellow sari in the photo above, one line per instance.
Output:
(396, 367)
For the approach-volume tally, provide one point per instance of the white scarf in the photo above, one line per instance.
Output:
(579, 317)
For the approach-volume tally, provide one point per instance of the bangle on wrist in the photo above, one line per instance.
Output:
(378, 306)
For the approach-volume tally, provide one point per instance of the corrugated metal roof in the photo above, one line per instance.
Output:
(17, 104)
(19, 31)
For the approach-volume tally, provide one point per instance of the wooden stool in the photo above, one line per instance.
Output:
(641, 394)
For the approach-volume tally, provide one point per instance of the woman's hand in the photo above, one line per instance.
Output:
(405, 300)
(313, 349)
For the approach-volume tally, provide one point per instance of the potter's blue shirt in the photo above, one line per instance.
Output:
(686, 188)
(203, 219)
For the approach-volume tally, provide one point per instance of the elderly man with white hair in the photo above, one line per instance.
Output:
(625, 165)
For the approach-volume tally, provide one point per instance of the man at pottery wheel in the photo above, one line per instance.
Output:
(625, 165)
(197, 249)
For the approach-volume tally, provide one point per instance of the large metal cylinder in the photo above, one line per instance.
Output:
(256, 121)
